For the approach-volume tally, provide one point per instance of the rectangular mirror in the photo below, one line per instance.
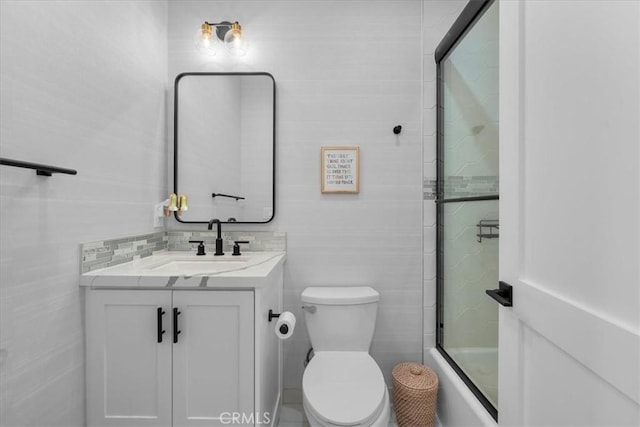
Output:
(224, 146)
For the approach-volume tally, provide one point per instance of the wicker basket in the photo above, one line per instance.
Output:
(415, 390)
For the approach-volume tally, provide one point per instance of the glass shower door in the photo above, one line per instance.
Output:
(468, 226)
(469, 332)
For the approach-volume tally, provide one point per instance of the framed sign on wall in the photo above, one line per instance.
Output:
(340, 169)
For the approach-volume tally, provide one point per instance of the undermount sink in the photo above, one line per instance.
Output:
(180, 264)
(197, 265)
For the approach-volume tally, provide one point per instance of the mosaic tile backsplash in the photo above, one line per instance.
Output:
(258, 240)
(107, 253)
(462, 186)
(469, 186)
(429, 189)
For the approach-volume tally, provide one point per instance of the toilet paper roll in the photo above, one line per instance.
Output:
(285, 325)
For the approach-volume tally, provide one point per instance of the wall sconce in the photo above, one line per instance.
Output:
(227, 33)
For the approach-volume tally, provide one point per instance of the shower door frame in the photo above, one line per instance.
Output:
(470, 15)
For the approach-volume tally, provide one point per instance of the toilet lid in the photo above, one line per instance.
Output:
(344, 388)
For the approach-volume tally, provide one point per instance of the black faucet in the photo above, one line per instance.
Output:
(219, 238)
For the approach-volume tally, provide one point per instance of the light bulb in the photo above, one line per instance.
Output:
(205, 41)
(182, 203)
(234, 40)
(173, 202)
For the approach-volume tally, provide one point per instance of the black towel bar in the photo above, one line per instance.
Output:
(42, 170)
(214, 195)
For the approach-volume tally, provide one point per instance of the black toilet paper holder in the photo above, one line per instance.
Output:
(272, 315)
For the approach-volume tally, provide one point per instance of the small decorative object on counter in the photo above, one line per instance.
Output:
(415, 391)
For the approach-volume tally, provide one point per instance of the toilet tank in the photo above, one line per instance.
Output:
(340, 318)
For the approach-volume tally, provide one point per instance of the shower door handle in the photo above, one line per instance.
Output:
(504, 294)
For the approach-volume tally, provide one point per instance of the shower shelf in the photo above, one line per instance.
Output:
(492, 225)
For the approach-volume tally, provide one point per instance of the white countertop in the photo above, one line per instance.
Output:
(177, 270)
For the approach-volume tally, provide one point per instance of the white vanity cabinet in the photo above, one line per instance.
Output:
(170, 346)
(128, 371)
(169, 357)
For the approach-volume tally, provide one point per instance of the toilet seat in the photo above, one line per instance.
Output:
(344, 388)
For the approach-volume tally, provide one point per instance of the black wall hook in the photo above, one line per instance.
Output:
(397, 129)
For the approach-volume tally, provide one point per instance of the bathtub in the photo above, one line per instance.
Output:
(457, 406)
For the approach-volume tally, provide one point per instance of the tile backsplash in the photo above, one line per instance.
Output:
(107, 253)
(461, 186)
(258, 240)
(469, 186)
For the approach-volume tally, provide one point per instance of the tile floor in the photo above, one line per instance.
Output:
(292, 415)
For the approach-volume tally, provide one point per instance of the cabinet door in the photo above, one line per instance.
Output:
(128, 370)
(213, 370)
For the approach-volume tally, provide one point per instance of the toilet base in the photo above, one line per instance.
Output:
(381, 421)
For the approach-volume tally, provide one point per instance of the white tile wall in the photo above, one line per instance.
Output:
(438, 16)
(346, 73)
(82, 87)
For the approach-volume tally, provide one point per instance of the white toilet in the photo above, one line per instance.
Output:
(343, 385)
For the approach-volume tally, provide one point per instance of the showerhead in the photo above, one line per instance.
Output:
(477, 129)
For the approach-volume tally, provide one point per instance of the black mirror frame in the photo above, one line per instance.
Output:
(175, 143)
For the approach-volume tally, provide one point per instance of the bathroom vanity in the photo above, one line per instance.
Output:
(176, 339)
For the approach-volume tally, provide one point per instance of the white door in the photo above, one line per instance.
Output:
(213, 369)
(128, 358)
(569, 208)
